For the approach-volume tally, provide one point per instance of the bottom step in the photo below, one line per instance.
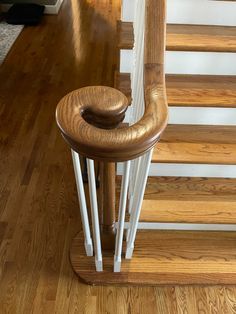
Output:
(165, 257)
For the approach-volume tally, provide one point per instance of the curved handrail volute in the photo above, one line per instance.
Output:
(89, 117)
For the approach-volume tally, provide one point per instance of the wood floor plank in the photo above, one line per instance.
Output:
(39, 212)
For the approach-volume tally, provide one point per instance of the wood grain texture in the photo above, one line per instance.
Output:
(189, 188)
(189, 200)
(192, 90)
(201, 90)
(131, 141)
(39, 212)
(167, 258)
(187, 37)
(200, 134)
(201, 38)
(107, 204)
(123, 84)
(182, 145)
(194, 153)
(188, 211)
(125, 35)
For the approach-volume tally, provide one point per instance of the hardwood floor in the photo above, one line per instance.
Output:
(38, 205)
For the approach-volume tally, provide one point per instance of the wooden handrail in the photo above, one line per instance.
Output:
(89, 117)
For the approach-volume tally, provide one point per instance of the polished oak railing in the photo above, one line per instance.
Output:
(89, 119)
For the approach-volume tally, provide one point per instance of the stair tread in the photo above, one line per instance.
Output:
(192, 90)
(197, 144)
(186, 37)
(165, 257)
(125, 35)
(189, 200)
(201, 90)
(122, 83)
(201, 38)
(204, 144)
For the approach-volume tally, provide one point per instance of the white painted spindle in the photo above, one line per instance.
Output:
(94, 214)
(137, 83)
(82, 202)
(137, 73)
(139, 190)
(121, 217)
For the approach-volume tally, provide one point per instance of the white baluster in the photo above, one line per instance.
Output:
(121, 217)
(94, 214)
(82, 202)
(134, 171)
(137, 83)
(137, 73)
(137, 203)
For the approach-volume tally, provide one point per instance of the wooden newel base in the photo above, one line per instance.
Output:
(164, 257)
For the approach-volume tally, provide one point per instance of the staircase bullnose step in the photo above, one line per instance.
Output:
(165, 257)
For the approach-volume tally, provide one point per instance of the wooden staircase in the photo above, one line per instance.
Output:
(193, 256)
(192, 144)
(192, 185)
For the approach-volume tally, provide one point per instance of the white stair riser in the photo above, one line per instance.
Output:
(191, 12)
(127, 10)
(182, 226)
(188, 170)
(212, 63)
(201, 12)
(192, 170)
(197, 115)
(202, 116)
(181, 62)
(126, 61)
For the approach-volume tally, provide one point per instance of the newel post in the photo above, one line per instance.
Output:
(88, 119)
(107, 204)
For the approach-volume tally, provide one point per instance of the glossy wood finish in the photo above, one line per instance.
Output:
(165, 257)
(181, 144)
(192, 90)
(201, 38)
(187, 133)
(201, 90)
(107, 204)
(190, 200)
(128, 142)
(184, 37)
(123, 84)
(125, 35)
(39, 212)
(188, 188)
(175, 211)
